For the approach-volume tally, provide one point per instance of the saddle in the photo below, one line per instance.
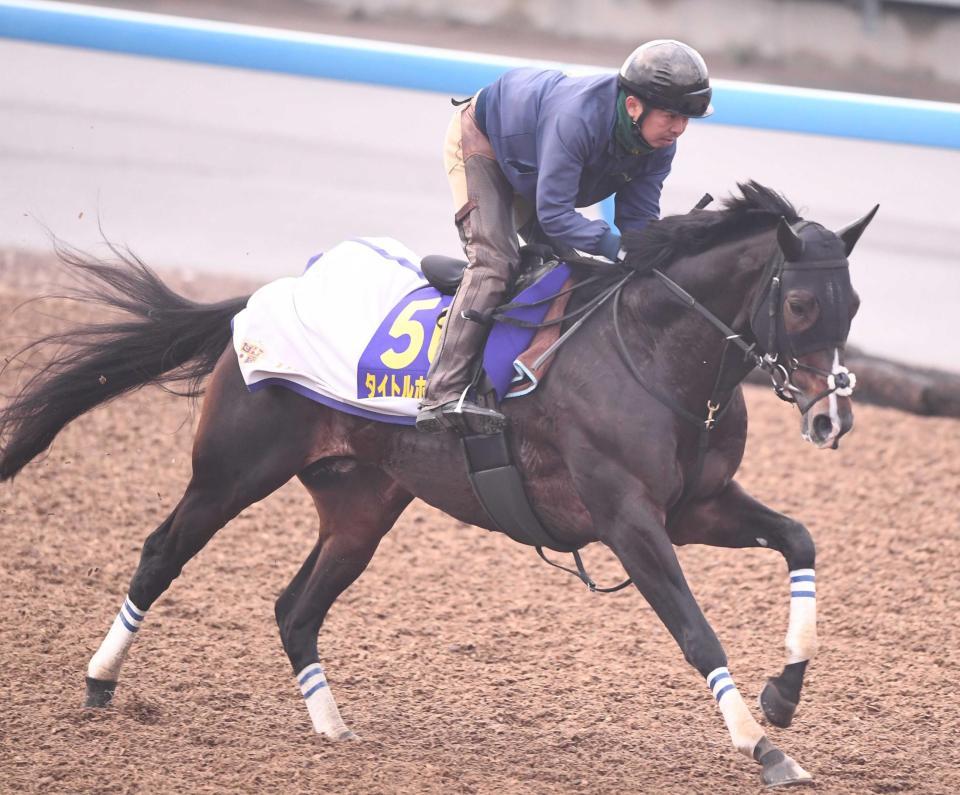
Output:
(445, 273)
(536, 261)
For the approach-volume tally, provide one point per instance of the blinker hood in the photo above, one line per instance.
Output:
(822, 269)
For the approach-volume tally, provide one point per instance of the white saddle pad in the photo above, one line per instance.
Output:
(308, 333)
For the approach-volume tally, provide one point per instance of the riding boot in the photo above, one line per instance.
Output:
(456, 363)
(485, 201)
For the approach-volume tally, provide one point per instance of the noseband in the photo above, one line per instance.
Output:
(840, 381)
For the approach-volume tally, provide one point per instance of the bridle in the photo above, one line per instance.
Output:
(777, 359)
(840, 381)
(779, 366)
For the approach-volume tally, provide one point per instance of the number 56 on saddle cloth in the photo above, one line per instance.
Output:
(357, 331)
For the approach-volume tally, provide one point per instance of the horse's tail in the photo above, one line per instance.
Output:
(163, 339)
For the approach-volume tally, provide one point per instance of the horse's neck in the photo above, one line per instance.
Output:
(724, 279)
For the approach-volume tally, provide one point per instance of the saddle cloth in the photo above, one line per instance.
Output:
(358, 329)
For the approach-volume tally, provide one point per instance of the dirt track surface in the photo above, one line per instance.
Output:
(463, 662)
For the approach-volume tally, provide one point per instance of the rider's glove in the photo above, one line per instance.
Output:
(632, 251)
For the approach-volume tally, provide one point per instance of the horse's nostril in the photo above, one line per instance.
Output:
(822, 425)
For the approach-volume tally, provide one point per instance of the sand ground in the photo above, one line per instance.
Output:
(464, 663)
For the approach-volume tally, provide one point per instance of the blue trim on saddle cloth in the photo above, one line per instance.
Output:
(378, 416)
(312, 261)
(387, 255)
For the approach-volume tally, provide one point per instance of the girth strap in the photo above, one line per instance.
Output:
(499, 488)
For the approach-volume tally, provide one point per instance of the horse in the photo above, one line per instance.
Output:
(633, 439)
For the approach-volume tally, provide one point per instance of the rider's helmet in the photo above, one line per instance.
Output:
(669, 75)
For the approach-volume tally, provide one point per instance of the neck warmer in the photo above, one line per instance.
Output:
(626, 134)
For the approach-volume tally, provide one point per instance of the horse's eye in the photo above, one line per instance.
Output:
(796, 307)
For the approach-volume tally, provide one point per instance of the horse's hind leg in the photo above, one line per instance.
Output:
(247, 446)
(357, 507)
(734, 519)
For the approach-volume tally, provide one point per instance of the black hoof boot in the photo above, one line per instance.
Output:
(779, 770)
(99, 692)
(781, 694)
(777, 709)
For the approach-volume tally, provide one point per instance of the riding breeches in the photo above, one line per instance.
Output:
(487, 215)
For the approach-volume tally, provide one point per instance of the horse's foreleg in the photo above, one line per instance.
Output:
(356, 510)
(231, 469)
(635, 532)
(734, 519)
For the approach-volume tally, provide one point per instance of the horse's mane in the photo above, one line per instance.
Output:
(664, 241)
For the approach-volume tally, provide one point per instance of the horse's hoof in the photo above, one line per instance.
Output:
(779, 770)
(785, 773)
(341, 737)
(777, 709)
(99, 692)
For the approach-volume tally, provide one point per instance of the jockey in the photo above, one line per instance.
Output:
(523, 154)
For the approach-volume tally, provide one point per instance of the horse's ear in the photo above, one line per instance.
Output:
(851, 234)
(790, 243)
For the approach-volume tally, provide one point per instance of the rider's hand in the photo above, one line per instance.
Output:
(632, 253)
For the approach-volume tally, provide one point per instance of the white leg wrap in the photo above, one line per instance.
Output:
(801, 641)
(321, 705)
(105, 664)
(745, 732)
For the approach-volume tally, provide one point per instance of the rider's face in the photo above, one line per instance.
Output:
(660, 128)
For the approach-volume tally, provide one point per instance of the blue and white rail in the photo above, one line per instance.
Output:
(767, 107)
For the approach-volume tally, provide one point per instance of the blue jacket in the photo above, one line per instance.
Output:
(553, 136)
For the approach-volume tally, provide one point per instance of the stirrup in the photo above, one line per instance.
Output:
(462, 416)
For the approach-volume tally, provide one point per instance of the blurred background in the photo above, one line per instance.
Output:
(226, 171)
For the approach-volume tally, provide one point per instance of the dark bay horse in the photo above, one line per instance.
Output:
(609, 445)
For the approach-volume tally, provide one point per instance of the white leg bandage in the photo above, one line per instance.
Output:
(801, 641)
(320, 704)
(105, 664)
(745, 732)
